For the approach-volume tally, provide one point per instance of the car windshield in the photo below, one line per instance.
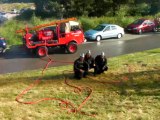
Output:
(138, 22)
(99, 28)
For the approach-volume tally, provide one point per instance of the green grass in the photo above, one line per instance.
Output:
(129, 90)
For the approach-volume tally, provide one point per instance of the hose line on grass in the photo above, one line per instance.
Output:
(64, 104)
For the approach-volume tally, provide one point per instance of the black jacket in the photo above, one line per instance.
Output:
(78, 64)
(100, 61)
(89, 61)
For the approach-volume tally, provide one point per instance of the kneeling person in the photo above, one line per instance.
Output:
(101, 64)
(89, 60)
(80, 67)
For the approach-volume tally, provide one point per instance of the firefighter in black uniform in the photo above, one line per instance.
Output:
(80, 67)
(89, 59)
(100, 64)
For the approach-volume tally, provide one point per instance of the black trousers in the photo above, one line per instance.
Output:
(79, 74)
(100, 69)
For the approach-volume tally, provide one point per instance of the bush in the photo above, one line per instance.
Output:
(8, 30)
(89, 23)
(26, 15)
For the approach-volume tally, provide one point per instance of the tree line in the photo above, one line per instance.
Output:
(16, 1)
(98, 8)
(92, 8)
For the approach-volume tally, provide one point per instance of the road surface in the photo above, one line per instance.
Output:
(17, 59)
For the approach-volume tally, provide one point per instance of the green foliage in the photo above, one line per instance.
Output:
(35, 20)
(89, 23)
(7, 7)
(157, 15)
(26, 16)
(8, 30)
(140, 9)
(123, 11)
(96, 8)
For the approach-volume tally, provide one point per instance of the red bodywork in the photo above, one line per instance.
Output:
(141, 25)
(51, 38)
(47, 38)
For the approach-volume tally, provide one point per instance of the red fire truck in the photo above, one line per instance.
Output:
(65, 34)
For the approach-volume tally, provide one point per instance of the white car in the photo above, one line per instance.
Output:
(103, 31)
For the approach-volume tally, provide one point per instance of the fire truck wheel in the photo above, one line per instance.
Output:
(42, 51)
(72, 47)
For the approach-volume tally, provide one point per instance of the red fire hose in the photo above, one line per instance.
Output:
(64, 104)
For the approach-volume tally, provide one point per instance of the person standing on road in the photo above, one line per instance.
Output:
(89, 59)
(80, 67)
(100, 64)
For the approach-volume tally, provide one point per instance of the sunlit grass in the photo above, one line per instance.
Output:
(129, 90)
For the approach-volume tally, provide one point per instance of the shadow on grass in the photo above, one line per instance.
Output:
(29, 80)
(144, 83)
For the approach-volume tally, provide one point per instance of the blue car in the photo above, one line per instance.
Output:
(103, 31)
(3, 44)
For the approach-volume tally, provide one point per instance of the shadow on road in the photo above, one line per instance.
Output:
(19, 51)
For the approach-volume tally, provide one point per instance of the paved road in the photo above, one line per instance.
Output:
(17, 59)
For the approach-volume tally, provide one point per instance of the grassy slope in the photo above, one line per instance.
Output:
(136, 95)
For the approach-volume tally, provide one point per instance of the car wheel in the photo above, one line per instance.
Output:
(140, 31)
(98, 38)
(119, 35)
(154, 29)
